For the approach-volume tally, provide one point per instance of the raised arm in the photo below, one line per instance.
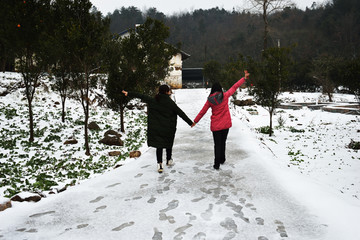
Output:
(231, 91)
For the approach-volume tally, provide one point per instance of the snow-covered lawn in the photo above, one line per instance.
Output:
(47, 163)
(311, 142)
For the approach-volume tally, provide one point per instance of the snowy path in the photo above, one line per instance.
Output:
(188, 201)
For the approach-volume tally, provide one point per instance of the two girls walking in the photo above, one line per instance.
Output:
(162, 120)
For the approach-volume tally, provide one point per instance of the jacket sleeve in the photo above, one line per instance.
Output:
(231, 91)
(202, 112)
(143, 97)
(181, 114)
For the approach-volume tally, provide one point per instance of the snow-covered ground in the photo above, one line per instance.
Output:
(302, 183)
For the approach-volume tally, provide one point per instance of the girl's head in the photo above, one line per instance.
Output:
(216, 87)
(164, 89)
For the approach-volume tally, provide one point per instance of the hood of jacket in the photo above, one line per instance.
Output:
(216, 98)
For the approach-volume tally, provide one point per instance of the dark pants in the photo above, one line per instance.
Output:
(159, 154)
(219, 146)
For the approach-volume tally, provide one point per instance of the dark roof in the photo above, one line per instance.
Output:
(184, 55)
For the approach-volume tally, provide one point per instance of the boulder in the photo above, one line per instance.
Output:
(111, 141)
(112, 132)
(93, 126)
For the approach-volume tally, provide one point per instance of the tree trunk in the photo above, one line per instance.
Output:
(330, 98)
(31, 121)
(265, 24)
(63, 110)
(271, 115)
(87, 152)
(122, 126)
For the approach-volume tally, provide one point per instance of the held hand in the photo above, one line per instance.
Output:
(193, 125)
(125, 92)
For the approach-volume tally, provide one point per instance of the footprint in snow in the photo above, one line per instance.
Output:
(122, 226)
(171, 205)
(96, 199)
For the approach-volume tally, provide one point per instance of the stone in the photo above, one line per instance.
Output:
(111, 138)
(111, 141)
(135, 154)
(93, 126)
(34, 198)
(5, 205)
(115, 153)
(112, 132)
(246, 102)
(71, 141)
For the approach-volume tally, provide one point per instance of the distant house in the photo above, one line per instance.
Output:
(174, 77)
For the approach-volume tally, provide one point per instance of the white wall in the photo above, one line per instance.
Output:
(174, 78)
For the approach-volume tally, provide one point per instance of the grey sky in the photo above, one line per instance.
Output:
(171, 7)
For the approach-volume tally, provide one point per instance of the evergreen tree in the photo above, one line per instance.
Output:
(138, 62)
(87, 35)
(62, 49)
(31, 48)
(270, 75)
(324, 67)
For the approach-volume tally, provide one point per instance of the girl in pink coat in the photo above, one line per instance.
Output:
(218, 101)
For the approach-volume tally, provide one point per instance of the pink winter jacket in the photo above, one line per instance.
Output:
(218, 101)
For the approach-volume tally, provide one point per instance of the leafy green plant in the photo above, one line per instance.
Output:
(10, 113)
(354, 145)
(265, 130)
(294, 130)
(44, 182)
(281, 120)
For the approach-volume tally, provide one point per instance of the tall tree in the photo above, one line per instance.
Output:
(31, 52)
(62, 49)
(139, 62)
(270, 75)
(324, 66)
(87, 35)
(266, 8)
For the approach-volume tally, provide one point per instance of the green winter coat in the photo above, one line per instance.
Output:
(162, 119)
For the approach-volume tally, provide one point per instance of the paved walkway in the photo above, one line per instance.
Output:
(188, 201)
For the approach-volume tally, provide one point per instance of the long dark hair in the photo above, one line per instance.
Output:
(163, 89)
(216, 87)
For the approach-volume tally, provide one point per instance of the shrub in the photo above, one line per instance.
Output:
(265, 130)
(354, 145)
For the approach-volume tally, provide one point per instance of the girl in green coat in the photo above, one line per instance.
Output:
(162, 120)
